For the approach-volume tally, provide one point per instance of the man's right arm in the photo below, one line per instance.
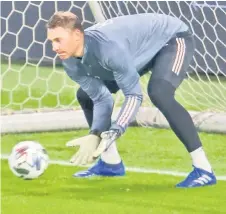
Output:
(100, 95)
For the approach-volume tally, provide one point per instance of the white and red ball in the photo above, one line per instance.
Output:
(28, 160)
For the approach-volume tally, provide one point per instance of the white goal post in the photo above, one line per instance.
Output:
(36, 94)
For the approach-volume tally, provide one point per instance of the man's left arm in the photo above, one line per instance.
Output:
(127, 78)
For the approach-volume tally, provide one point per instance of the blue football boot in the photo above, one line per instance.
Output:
(198, 178)
(102, 169)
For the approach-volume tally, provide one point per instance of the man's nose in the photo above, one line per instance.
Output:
(55, 47)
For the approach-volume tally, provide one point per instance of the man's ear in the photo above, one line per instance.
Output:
(77, 34)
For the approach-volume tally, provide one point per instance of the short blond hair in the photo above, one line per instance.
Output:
(65, 19)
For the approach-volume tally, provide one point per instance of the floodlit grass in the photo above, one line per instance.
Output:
(57, 192)
(142, 147)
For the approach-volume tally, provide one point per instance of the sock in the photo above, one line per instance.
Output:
(200, 160)
(111, 156)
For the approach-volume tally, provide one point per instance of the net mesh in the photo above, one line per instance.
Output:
(33, 78)
(205, 87)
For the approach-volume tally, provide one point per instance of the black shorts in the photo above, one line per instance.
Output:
(172, 61)
(111, 85)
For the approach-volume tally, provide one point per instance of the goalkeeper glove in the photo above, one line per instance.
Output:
(108, 138)
(87, 145)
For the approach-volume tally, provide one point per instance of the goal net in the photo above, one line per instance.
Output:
(34, 85)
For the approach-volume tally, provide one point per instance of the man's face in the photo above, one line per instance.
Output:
(65, 42)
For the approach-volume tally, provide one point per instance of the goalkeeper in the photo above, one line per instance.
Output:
(112, 56)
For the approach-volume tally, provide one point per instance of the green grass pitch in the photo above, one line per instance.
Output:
(57, 192)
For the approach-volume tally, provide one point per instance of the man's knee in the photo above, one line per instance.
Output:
(83, 99)
(161, 92)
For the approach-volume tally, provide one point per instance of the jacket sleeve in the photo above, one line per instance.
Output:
(127, 78)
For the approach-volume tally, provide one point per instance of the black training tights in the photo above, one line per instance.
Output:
(161, 93)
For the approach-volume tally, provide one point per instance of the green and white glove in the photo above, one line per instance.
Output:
(88, 144)
(107, 138)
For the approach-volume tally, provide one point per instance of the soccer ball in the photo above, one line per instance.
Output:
(28, 160)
